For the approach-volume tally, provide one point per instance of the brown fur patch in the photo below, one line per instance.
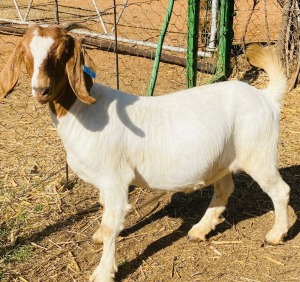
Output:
(62, 106)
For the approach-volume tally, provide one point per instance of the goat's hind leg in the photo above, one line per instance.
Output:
(271, 182)
(222, 190)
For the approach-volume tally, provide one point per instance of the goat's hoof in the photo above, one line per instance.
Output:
(274, 239)
(98, 276)
(266, 243)
(100, 279)
(196, 235)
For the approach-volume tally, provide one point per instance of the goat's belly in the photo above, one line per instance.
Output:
(186, 162)
(180, 182)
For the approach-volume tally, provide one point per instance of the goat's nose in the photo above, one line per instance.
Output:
(41, 91)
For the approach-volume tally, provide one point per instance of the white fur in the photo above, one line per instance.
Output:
(186, 140)
(182, 141)
(39, 48)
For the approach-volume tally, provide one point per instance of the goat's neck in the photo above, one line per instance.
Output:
(62, 106)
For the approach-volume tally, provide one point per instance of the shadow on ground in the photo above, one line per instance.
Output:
(247, 201)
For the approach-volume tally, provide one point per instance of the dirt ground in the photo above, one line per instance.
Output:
(46, 225)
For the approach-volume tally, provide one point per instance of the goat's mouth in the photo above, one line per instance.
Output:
(43, 102)
(41, 95)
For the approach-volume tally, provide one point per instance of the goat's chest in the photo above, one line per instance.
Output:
(81, 168)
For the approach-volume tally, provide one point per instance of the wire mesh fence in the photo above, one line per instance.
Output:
(270, 22)
(139, 24)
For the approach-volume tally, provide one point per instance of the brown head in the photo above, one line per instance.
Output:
(54, 62)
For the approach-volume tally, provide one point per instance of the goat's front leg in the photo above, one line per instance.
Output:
(222, 190)
(116, 205)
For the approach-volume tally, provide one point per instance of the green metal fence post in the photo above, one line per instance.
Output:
(192, 41)
(159, 48)
(225, 39)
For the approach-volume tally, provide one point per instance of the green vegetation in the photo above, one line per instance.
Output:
(19, 253)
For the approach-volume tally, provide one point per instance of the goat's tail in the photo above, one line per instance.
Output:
(267, 59)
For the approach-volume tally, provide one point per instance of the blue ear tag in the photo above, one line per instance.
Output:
(88, 71)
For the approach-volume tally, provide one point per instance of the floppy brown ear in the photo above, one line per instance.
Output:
(80, 82)
(10, 73)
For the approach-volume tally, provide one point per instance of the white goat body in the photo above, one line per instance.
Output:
(169, 142)
(185, 140)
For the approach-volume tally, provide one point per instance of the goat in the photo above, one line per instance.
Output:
(182, 141)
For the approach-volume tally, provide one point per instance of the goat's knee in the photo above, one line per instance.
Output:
(97, 236)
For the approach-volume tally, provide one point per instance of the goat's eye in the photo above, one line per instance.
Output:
(64, 57)
(50, 64)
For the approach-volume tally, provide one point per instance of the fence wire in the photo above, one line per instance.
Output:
(270, 22)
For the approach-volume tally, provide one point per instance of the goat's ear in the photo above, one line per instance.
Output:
(10, 73)
(80, 82)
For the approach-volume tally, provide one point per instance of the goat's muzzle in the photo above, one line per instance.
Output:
(41, 94)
